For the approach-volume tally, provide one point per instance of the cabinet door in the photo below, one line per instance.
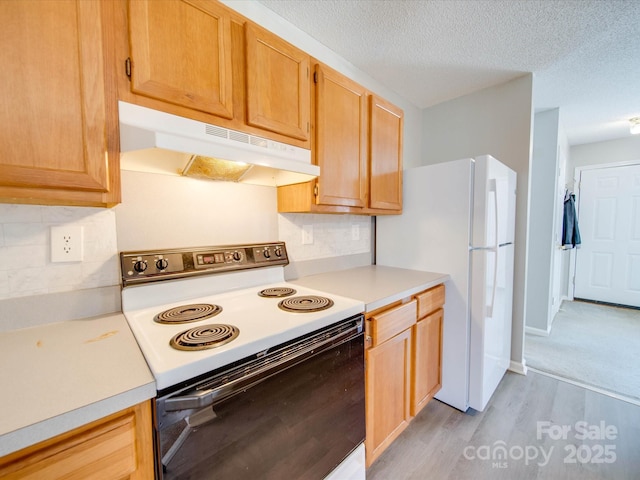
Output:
(54, 108)
(385, 155)
(181, 53)
(278, 84)
(387, 395)
(427, 360)
(341, 148)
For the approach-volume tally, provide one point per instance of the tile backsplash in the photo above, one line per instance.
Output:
(25, 250)
(25, 232)
(333, 235)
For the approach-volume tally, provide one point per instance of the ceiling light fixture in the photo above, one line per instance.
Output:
(634, 125)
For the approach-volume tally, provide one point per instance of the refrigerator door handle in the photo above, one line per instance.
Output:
(493, 188)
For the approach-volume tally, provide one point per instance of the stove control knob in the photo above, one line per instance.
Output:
(267, 253)
(236, 256)
(140, 266)
(278, 252)
(162, 263)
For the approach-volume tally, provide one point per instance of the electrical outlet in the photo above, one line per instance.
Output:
(67, 244)
(355, 232)
(307, 234)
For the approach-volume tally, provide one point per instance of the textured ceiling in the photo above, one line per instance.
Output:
(585, 55)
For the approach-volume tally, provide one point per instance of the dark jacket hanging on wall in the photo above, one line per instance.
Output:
(570, 230)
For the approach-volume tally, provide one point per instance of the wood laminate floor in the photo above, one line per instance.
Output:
(534, 427)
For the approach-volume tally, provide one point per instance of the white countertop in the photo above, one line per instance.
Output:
(60, 376)
(375, 285)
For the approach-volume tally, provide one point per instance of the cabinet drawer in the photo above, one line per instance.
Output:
(391, 322)
(119, 446)
(430, 300)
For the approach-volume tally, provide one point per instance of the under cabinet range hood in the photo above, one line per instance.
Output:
(158, 142)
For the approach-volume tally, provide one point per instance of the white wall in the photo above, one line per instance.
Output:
(562, 257)
(165, 211)
(541, 241)
(496, 121)
(625, 149)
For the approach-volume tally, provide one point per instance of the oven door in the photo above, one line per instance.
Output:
(295, 412)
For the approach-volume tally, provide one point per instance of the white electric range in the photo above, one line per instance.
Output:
(217, 322)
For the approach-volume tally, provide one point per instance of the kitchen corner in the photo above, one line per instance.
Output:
(72, 364)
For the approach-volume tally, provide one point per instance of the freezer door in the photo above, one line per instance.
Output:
(494, 203)
(490, 336)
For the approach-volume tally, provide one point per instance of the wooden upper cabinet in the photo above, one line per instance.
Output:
(357, 142)
(58, 141)
(278, 84)
(385, 152)
(181, 53)
(341, 141)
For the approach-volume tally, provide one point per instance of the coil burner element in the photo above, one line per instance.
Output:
(187, 313)
(274, 292)
(204, 337)
(306, 303)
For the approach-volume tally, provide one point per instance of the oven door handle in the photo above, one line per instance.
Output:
(196, 398)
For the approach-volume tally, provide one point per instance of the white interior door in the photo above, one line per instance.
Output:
(608, 261)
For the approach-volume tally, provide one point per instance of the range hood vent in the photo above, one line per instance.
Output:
(158, 142)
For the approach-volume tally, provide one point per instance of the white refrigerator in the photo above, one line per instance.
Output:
(459, 218)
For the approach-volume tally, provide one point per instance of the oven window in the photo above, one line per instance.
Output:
(300, 423)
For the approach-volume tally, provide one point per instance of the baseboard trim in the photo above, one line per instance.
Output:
(588, 387)
(538, 331)
(606, 304)
(518, 367)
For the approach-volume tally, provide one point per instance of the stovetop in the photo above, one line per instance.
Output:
(260, 322)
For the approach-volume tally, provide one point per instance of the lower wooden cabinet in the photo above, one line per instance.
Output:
(387, 394)
(426, 367)
(119, 446)
(403, 365)
(388, 376)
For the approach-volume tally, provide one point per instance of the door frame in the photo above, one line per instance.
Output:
(576, 190)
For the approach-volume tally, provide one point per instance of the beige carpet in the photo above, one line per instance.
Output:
(593, 344)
